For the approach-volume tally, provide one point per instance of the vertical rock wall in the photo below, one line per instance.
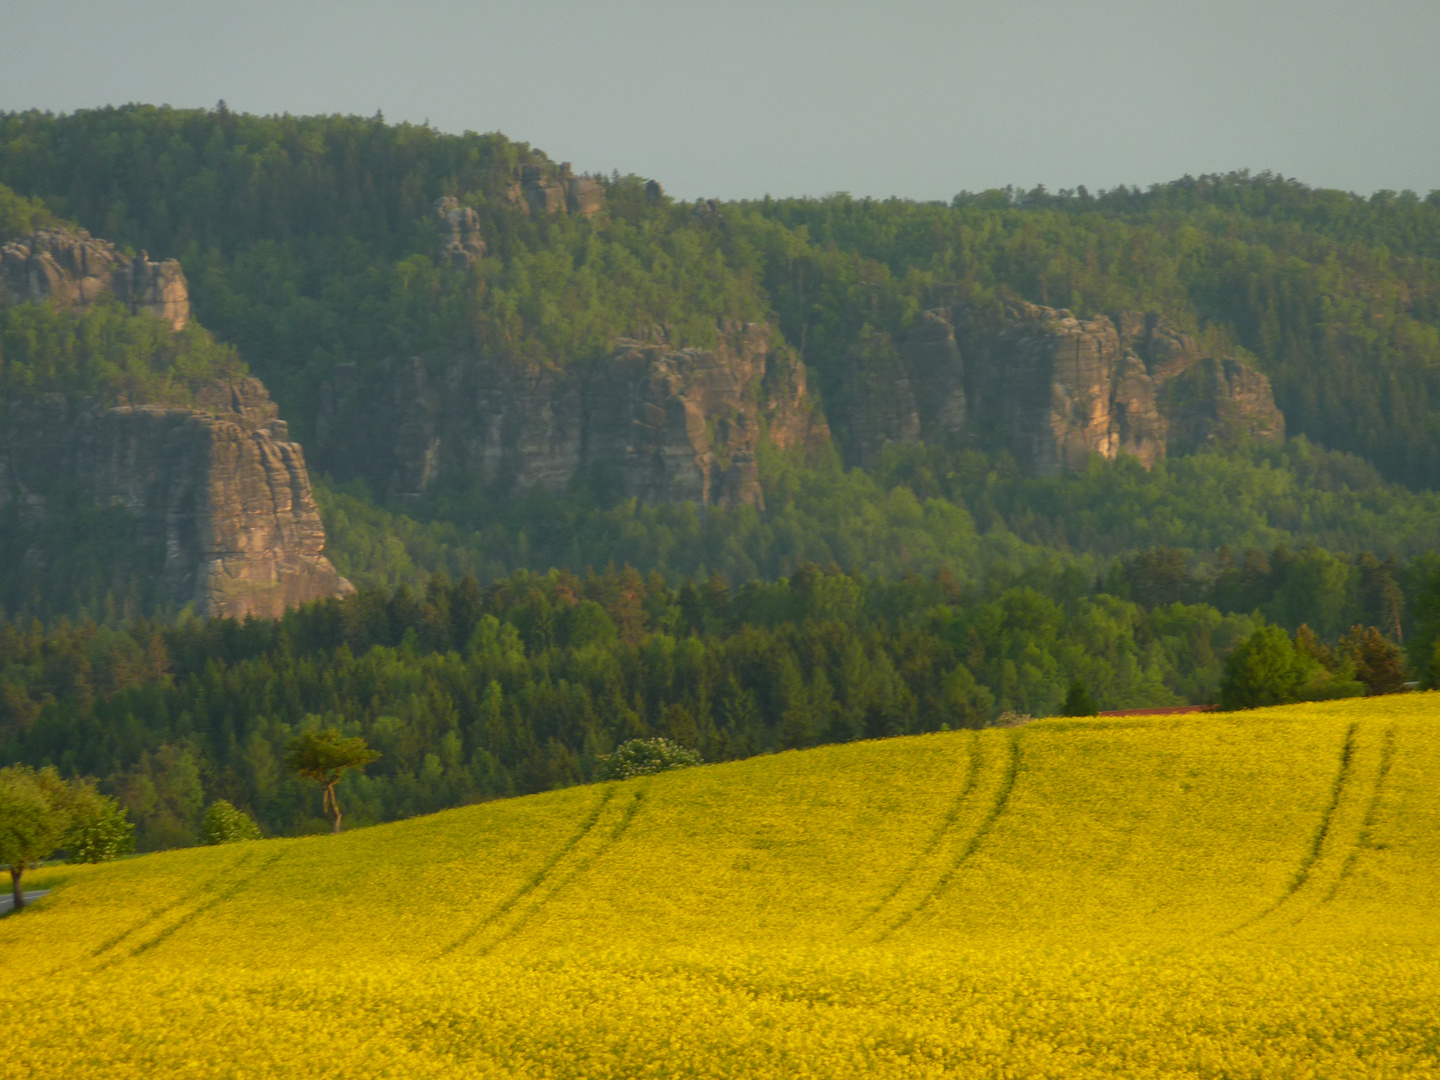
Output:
(1049, 387)
(652, 421)
(220, 487)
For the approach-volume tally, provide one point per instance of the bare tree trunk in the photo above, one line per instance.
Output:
(334, 806)
(15, 872)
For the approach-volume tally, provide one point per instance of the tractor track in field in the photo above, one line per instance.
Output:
(997, 808)
(181, 901)
(536, 879)
(627, 818)
(233, 889)
(1317, 842)
(215, 901)
(947, 823)
(1372, 813)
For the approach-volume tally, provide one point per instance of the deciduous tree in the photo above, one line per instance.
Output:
(324, 755)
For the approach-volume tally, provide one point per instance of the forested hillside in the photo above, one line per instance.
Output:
(473, 693)
(842, 571)
(307, 242)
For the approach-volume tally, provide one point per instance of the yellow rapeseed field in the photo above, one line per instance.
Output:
(1226, 896)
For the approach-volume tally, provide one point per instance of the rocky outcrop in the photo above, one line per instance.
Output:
(219, 487)
(460, 245)
(1049, 387)
(546, 191)
(1056, 389)
(71, 268)
(1205, 400)
(650, 421)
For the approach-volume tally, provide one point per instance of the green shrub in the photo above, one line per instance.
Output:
(225, 824)
(99, 831)
(640, 757)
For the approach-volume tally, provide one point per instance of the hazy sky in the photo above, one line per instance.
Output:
(731, 99)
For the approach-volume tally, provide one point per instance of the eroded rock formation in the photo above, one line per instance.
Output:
(71, 268)
(1049, 387)
(460, 245)
(650, 420)
(546, 191)
(220, 487)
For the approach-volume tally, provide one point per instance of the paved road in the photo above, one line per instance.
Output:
(7, 901)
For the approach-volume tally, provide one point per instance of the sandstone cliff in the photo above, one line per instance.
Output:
(546, 190)
(71, 268)
(650, 420)
(219, 487)
(1048, 387)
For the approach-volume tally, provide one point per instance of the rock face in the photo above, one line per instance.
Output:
(1050, 388)
(459, 226)
(219, 486)
(546, 191)
(651, 421)
(1056, 389)
(71, 268)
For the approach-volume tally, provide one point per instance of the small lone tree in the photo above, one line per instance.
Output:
(31, 823)
(324, 755)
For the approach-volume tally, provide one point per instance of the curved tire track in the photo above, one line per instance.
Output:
(1372, 814)
(185, 898)
(185, 920)
(536, 879)
(998, 807)
(947, 823)
(621, 826)
(1317, 842)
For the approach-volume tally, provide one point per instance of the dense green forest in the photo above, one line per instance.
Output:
(501, 643)
(474, 693)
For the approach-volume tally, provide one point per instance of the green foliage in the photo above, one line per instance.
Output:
(641, 757)
(970, 591)
(1378, 662)
(20, 216)
(41, 813)
(33, 818)
(106, 353)
(225, 824)
(1267, 669)
(100, 830)
(1423, 644)
(307, 241)
(324, 755)
(926, 508)
(473, 692)
(1078, 701)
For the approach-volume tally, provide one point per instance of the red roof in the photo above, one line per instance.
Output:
(1162, 710)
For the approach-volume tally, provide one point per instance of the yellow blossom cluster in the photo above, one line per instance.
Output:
(1237, 895)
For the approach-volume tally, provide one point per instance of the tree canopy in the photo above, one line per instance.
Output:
(324, 755)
